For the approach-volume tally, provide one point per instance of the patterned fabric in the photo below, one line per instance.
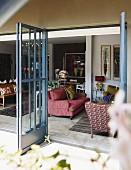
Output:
(98, 116)
(5, 90)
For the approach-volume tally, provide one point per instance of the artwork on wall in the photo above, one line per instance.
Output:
(74, 64)
(116, 61)
(106, 61)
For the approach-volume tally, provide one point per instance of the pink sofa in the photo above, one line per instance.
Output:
(59, 105)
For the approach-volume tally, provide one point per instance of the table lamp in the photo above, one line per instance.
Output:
(100, 80)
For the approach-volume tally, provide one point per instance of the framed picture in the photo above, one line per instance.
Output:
(106, 61)
(116, 61)
(74, 64)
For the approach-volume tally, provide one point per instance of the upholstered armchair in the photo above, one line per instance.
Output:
(98, 117)
(109, 94)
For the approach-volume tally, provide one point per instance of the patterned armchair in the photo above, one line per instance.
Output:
(98, 117)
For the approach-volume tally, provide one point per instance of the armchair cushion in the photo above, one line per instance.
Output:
(112, 89)
(108, 98)
(109, 95)
(106, 93)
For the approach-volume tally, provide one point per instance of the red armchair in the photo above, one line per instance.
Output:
(98, 117)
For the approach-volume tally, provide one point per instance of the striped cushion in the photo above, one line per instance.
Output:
(70, 93)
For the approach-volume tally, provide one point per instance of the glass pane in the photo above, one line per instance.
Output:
(38, 54)
(38, 103)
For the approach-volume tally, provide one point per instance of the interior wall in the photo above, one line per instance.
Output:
(97, 42)
(59, 51)
(51, 61)
(71, 13)
(9, 49)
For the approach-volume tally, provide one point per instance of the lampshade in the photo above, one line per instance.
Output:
(99, 78)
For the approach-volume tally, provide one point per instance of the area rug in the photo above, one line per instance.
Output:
(83, 125)
(11, 111)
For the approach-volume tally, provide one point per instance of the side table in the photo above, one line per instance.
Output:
(97, 95)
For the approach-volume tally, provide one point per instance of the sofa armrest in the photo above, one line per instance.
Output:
(60, 104)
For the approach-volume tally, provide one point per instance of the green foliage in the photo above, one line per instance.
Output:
(98, 157)
(34, 159)
(47, 139)
(61, 165)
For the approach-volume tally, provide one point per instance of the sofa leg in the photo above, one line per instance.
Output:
(70, 117)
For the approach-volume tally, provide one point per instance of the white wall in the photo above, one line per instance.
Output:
(97, 42)
(88, 67)
(9, 49)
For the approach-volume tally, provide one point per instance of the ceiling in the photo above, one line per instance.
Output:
(67, 36)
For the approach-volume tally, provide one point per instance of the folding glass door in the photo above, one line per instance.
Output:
(123, 55)
(31, 73)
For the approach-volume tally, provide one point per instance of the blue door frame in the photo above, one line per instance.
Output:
(31, 76)
(123, 55)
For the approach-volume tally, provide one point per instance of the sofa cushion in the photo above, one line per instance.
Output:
(58, 94)
(74, 104)
(5, 90)
(70, 92)
(83, 99)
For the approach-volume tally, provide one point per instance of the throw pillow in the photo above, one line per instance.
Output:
(70, 93)
(5, 90)
(108, 98)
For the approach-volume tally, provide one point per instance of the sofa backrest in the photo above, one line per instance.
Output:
(57, 94)
(8, 88)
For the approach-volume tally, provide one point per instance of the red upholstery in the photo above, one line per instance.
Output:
(98, 116)
(75, 104)
(58, 94)
(65, 107)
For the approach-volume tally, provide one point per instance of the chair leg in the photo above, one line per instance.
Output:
(91, 132)
(70, 117)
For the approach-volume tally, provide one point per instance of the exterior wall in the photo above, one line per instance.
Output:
(70, 13)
